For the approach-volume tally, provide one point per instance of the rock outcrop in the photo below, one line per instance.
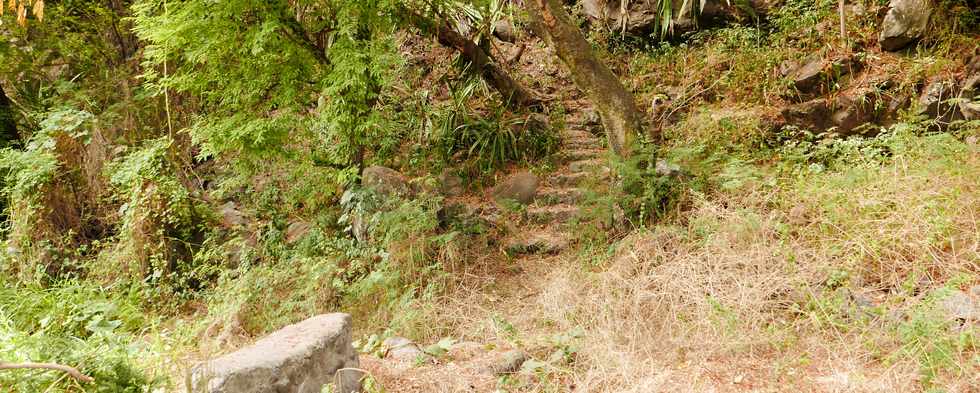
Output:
(904, 24)
(386, 181)
(643, 16)
(299, 358)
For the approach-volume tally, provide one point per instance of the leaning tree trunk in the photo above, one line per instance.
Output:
(618, 111)
(515, 94)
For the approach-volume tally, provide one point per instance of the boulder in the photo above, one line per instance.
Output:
(813, 115)
(386, 181)
(521, 187)
(466, 350)
(299, 358)
(536, 243)
(904, 24)
(854, 109)
(808, 76)
(642, 16)
(934, 101)
(816, 73)
(504, 30)
(668, 169)
(296, 230)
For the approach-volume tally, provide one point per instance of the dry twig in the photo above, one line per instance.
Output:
(73, 372)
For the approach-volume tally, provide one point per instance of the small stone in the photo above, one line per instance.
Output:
(231, 217)
(507, 362)
(402, 349)
(664, 168)
(521, 188)
(296, 230)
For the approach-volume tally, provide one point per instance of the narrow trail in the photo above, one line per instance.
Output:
(539, 241)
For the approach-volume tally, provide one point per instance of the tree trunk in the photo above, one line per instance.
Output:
(515, 94)
(617, 109)
(8, 126)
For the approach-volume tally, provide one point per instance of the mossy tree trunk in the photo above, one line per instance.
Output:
(8, 126)
(617, 109)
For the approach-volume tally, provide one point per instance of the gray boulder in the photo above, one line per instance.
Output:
(808, 76)
(299, 358)
(521, 188)
(935, 101)
(642, 16)
(904, 24)
(386, 181)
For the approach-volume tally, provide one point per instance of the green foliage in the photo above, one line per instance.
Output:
(160, 223)
(264, 65)
(491, 140)
(934, 340)
(73, 324)
(26, 171)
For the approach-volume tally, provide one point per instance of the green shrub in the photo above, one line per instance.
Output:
(488, 140)
(41, 184)
(162, 225)
(75, 324)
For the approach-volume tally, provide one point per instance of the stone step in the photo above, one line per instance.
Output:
(558, 195)
(582, 144)
(538, 242)
(584, 165)
(581, 154)
(578, 134)
(552, 214)
(568, 179)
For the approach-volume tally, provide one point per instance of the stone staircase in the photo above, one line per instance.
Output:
(540, 231)
(557, 200)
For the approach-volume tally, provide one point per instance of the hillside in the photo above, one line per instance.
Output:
(504, 196)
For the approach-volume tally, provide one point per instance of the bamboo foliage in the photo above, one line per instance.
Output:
(19, 10)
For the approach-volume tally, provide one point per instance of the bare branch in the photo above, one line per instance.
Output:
(73, 372)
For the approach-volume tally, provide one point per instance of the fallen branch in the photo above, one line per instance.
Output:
(48, 366)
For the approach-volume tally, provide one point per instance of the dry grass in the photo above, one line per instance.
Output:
(755, 291)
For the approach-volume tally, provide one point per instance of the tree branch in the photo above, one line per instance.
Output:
(73, 372)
